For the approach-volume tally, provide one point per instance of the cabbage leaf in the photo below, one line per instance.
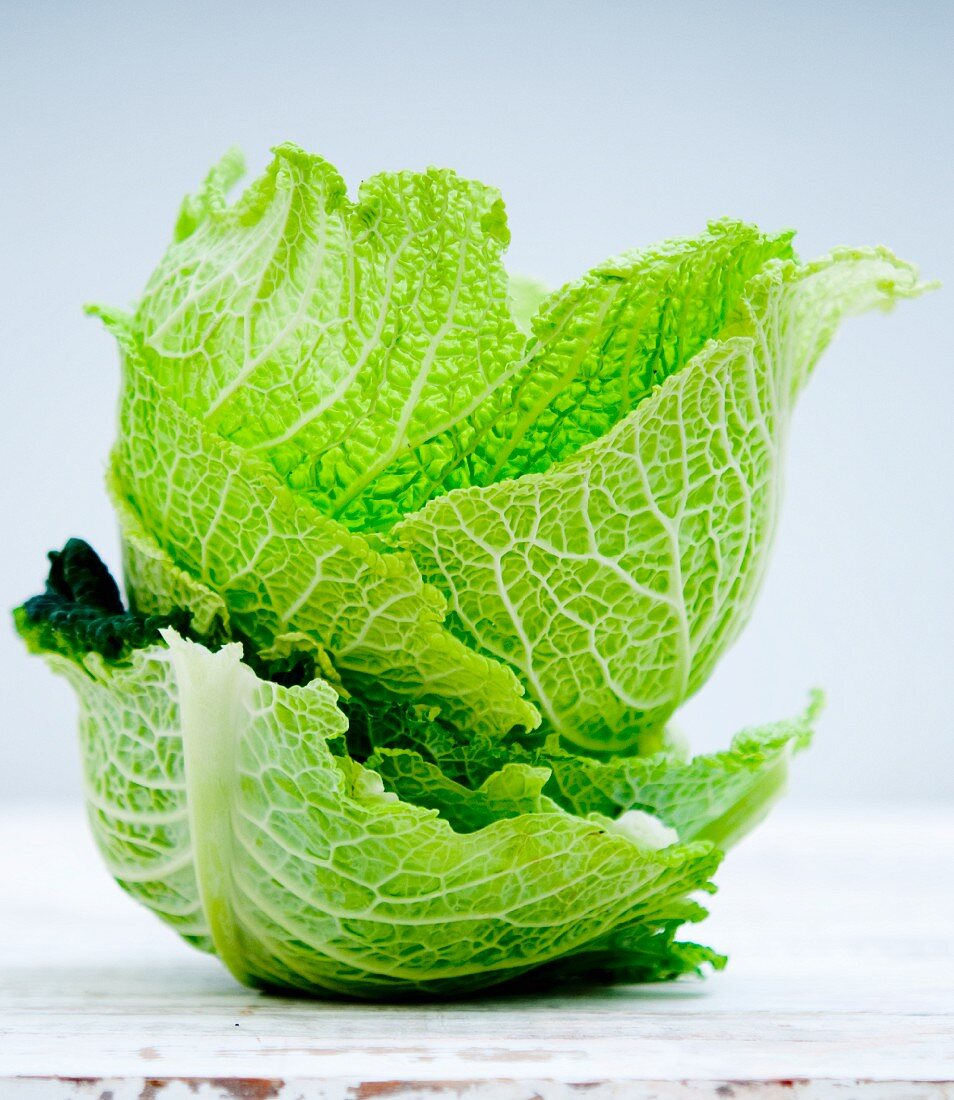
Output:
(613, 581)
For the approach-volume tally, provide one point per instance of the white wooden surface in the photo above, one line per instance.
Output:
(841, 984)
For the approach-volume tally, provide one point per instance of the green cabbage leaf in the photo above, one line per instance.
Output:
(613, 581)
(228, 802)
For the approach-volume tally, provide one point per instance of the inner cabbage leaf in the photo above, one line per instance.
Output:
(602, 343)
(719, 796)
(299, 325)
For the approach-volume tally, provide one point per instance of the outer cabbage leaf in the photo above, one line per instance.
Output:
(211, 512)
(134, 783)
(613, 581)
(130, 744)
(314, 877)
(81, 610)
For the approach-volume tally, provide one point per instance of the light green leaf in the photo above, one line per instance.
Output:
(602, 343)
(155, 585)
(131, 751)
(718, 796)
(227, 804)
(513, 790)
(614, 581)
(223, 517)
(297, 324)
(313, 877)
(341, 341)
(525, 298)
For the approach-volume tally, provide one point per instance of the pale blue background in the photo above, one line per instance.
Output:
(606, 126)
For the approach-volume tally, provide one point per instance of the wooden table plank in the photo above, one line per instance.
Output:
(841, 984)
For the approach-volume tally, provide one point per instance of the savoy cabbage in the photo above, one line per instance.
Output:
(420, 559)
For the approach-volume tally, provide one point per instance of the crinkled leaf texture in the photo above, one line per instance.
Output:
(218, 802)
(420, 559)
(300, 325)
(221, 517)
(313, 876)
(613, 581)
(131, 748)
(599, 468)
(241, 812)
(718, 797)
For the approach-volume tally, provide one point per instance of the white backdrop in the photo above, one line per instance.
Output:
(606, 126)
